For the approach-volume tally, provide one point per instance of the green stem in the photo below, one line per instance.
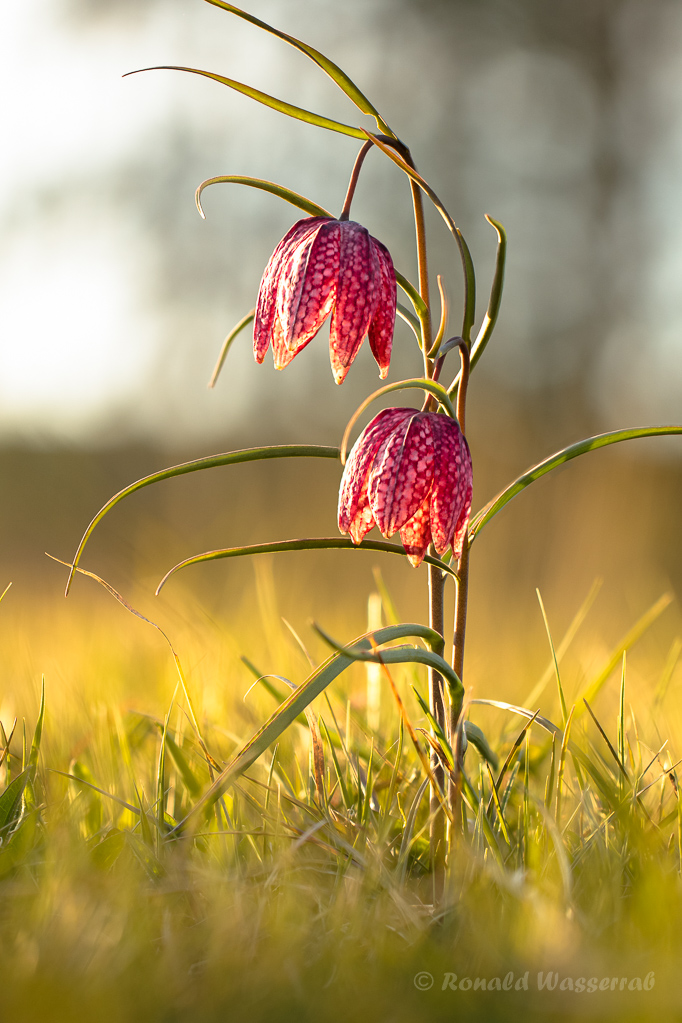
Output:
(461, 602)
(352, 184)
(436, 579)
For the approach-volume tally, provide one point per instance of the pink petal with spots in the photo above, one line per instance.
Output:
(355, 514)
(267, 293)
(283, 355)
(466, 491)
(383, 324)
(357, 293)
(452, 470)
(402, 474)
(307, 284)
(416, 534)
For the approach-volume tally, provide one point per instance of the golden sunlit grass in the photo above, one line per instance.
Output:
(297, 898)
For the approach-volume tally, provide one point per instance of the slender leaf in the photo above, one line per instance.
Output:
(35, 750)
(467, 264)
(580, 616)
(411, 320)
(408, 830)
(494, 302)
(328, 66)
(594, 686)
(419, 306)
(211, 462)
(227, 344)
(300, 201)
(269, 101)
(562, 699)
(476, 736)
(190, 780)
(400, 655)
(318, 543)
(38, 732)
(11, 802)
(483, 517)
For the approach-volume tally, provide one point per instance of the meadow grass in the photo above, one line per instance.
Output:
(306, 891)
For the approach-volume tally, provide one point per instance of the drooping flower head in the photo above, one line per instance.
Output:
(409, 471)
(321, 266)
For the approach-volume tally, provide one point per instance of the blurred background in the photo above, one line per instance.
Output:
(562, 120)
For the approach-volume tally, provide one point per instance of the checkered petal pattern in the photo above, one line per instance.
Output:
(325, 266)
(409, 471)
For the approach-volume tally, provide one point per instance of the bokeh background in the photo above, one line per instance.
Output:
(562, 120)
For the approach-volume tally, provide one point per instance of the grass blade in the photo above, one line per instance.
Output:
(11, 802)
(278, 722)
(280, 105)
(579, 618)
(197, 464)
(483, 517)
(319, 543)
(495, 799)
(32, 764)
(562, 762)
(636, 632)
(562, 700)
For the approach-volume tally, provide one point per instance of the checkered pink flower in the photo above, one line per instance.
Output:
(411, 471)
(325, 266)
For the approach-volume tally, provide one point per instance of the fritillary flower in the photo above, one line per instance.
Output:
(325, 266)
(409, 471)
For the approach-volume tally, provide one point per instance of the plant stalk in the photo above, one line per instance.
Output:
(461, 603)
(437, 836)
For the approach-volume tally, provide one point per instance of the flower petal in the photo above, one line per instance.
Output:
(307, 285)
(357, 293)
(464, 500)
(355, 514)
(283, 355)
(416, 534)
(451, 478)
(383, 324)
(267, 293)
(402, 473)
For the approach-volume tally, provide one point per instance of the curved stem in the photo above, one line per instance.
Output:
(352, 184)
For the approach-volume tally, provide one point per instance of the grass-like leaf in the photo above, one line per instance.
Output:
(467, 264)
(11, 802)
(318, 543)
(210, 462)
(263, 97)
(494, 302)
(602, 440)
(402, 655)
(227, 344)
(300, 201)
(328, 66)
